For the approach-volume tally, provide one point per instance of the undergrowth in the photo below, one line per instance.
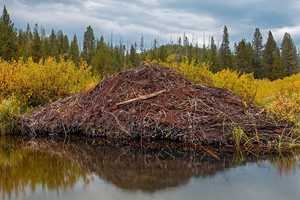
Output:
(25, 85)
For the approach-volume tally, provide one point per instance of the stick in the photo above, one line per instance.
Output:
(143, 97)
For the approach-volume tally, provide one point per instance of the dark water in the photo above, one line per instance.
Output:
(97, 172)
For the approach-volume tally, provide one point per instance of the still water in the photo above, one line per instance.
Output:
(86, 171)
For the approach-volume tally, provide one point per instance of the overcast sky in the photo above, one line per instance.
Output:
(166, 19)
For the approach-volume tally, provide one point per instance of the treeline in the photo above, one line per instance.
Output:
(265, 60)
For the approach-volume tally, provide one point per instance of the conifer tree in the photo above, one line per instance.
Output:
(289, 55)
(53, 45)
(36, 47)
(74, 50)
(243, 57)
(225, 52)
(268, 56)
(8, 37)
(102, 61)
(257, 45)
(277, 70)
(133, 56)
(213, 56)
(88, 44)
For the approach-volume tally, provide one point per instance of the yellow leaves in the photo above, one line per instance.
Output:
(280, 97)
(37, 83)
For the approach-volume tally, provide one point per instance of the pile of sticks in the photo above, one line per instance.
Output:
(149, 103)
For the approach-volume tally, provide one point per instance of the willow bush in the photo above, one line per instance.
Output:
(24, 85)
(280, 98)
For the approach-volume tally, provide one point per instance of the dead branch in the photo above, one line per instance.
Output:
(143, 97)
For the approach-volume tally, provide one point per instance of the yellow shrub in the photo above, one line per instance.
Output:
(243, 85)
(280, 97)
(195, 72)
(37, 83)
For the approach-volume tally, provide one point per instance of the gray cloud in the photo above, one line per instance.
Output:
(164, 19)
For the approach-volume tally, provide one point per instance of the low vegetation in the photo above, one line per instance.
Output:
(25, 85)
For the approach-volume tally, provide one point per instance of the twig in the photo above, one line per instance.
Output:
(143, 97)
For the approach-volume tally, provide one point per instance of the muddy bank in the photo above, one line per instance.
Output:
(151, 103)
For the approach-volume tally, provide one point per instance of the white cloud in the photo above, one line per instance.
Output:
(154, 18)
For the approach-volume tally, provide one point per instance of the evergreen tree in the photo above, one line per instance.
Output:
(243, 57)
(133, 56)
(213, 56)
(225, 52)
(88, 44)
(102, 61)
(8, 37)
(65, 47)
(59, 42)
(257, 45)
(74, 50)
(277, 70)
(289, 55)
(53, 45)
(36, 47)
(268, 56)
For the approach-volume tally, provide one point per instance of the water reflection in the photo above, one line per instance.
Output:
(129, 169)
(22, 168)
(126, 169)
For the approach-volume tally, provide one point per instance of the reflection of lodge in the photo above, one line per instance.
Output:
(129, 168)
(22, 168)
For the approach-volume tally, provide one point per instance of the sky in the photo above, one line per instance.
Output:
(166, 20)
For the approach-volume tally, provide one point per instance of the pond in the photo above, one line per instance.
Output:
(70, 170)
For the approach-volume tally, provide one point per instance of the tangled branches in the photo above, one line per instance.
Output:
(150, 103)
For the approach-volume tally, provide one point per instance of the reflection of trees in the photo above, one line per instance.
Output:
(127, 169)
(23, 167)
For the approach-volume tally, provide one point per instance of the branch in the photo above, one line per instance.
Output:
(143, 97)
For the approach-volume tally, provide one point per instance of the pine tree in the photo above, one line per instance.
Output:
(53, 45)
(213, 56)
(277, 70)
(36, 47)
(268, 56)
(88, 44)
(243, 57)
(102, 61)
(74, 50)
(289, 55)
(65, 47)
(225, 52)
(257, 45)
(133, 56)
(8, 37)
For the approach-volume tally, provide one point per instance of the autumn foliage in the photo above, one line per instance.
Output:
(24, 85)
(281, 97)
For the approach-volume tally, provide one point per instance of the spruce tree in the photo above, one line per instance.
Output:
(74, 50)
(8, 37)
(289, 55)
(277, 70)
(244, 56)
(102, 61)
(268, 56)
(213, 56)
(88, 44)
(36, 47)
(225, 52)
(257, 45)
(53, 45)
(133, 56)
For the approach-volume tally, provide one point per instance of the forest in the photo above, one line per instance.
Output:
(266, 60)
(36, 68)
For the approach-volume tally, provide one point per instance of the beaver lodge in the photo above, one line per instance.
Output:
(152, 103)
